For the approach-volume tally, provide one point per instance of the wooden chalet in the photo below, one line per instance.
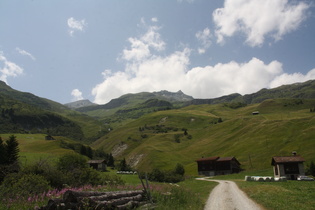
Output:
(288, 166)
(212, 166)
(99, 165)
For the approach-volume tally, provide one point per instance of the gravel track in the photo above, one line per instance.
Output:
(226, 196)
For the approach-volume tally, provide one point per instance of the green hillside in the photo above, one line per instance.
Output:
(158, 139)
(26, 113)
(305, 90)
(34, 147)
(151, 131)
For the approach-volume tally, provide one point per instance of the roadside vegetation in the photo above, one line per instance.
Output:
(276, 195)
(33, 184)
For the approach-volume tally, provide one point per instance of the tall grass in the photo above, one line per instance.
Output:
(288, 195)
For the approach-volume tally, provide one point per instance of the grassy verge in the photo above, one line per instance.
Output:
(281, 195)
(189, 194)
(276, 195)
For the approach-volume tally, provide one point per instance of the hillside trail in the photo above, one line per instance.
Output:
(226, 196)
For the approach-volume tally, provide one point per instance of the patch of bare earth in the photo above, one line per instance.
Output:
(119, 148)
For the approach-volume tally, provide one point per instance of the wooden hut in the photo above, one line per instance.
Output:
(99, 165)
(288, 166)
(212, 166)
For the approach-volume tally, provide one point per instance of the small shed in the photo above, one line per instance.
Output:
(99, 165)
(288, 166)
(49, 137)
(212, 166)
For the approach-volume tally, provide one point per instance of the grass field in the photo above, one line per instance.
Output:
(34, 147)
(288, 195)
(281, 127)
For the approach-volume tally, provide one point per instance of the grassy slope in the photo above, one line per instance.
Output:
(281, 127)
(34, 147)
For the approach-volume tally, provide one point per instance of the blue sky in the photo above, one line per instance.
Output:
(67, 50)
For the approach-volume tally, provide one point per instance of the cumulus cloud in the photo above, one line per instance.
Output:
(258, 19)
(76, 25)
(148, 71)
(23, 52)
(140, 48)
(292, 78)
(8, 68)
(154, 19)
(76, 95)
(204, 37)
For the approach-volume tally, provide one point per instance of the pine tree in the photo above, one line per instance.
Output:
(89, 152)
(3, 153)
(110, 160)
(12, 149)
(312, 168)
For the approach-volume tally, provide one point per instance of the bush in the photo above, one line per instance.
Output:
(42, 167)
(172, 176)
(70, 162)
(23, 185)
(179, 169)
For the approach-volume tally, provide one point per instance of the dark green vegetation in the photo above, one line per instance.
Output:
(9, 154)
(26, 113)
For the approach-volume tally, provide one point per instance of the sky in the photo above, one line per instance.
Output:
(68, 50)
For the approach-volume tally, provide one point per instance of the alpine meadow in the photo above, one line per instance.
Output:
(153, 133)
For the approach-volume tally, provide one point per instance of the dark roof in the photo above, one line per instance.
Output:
(225, 158)
(287, 159)
(207, 159)
(221, 159)
(217, 158)
(96, 161)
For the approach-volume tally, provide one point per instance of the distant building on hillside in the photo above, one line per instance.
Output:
(99, 165)
(49, 137)
(212, 166)
(289, 166)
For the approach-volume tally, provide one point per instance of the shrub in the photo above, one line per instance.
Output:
(179, 169)
(171, 176)
(43, 167)
(70, 162)
(23, 185)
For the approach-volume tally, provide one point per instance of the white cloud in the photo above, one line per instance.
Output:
(8, 69)
(23, 52)
(148, 71)
(292, 78)
(76, 25)
(154, 19)
(141, 47)
(258, 19)
(76, 95)
(204, 37)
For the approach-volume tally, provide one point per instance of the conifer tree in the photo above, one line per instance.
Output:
(12, 149)
(111, 160)
(3, 153)
(312, 169)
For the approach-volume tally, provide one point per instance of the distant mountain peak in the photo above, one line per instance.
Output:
(174, 96)
(79, 104)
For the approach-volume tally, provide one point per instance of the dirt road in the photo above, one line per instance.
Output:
(226, 196)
